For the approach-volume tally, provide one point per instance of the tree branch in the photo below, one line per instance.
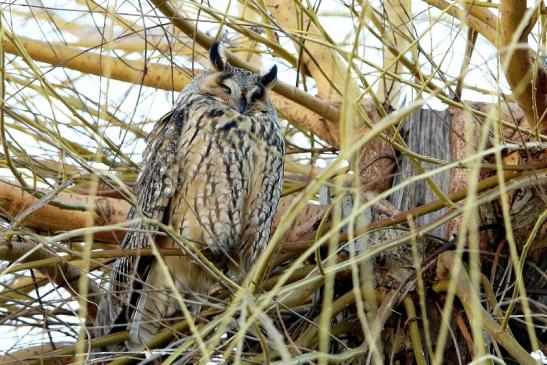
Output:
(49, 218)
(138, 72)
(63, 274)
(529, 90)
(288, 100)
(322, 108)
(110, 211)
(486, 29)
(464, 290)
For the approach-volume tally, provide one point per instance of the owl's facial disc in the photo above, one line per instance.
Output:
(224, 86)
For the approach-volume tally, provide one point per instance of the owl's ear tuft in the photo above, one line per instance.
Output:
(269, 79)
(217, 56)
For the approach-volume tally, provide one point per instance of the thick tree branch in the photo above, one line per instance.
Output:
(327, 67)
(109, 211)
(330, 70)
(306, 120)
(529, 87)
(479, 21)
(138, 72)
(49, 218)
(288, 101)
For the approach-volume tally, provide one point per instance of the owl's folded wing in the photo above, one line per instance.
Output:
(153, 190)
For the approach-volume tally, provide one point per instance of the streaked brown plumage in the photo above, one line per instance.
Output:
(212, 170)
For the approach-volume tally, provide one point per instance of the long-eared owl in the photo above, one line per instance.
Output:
(212, 170)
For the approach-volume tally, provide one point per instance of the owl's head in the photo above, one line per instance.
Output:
(243, 90)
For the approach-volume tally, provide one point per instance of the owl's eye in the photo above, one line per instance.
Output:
(257, 94)
(226, 89)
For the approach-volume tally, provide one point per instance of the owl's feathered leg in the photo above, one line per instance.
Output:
(157, 302)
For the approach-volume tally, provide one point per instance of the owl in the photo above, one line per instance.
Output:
(213, 170)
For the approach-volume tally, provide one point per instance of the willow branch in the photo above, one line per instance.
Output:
(466, 295)
(398, 32)
(70, 350)
(412, 317)
(63, 274)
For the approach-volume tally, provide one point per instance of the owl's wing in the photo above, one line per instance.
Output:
(153, 190)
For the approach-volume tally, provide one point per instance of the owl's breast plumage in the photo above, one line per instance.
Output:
(230, 170)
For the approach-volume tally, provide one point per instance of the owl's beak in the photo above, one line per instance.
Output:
(242, 105)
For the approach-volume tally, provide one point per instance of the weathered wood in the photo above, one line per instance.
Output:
(427, 133)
